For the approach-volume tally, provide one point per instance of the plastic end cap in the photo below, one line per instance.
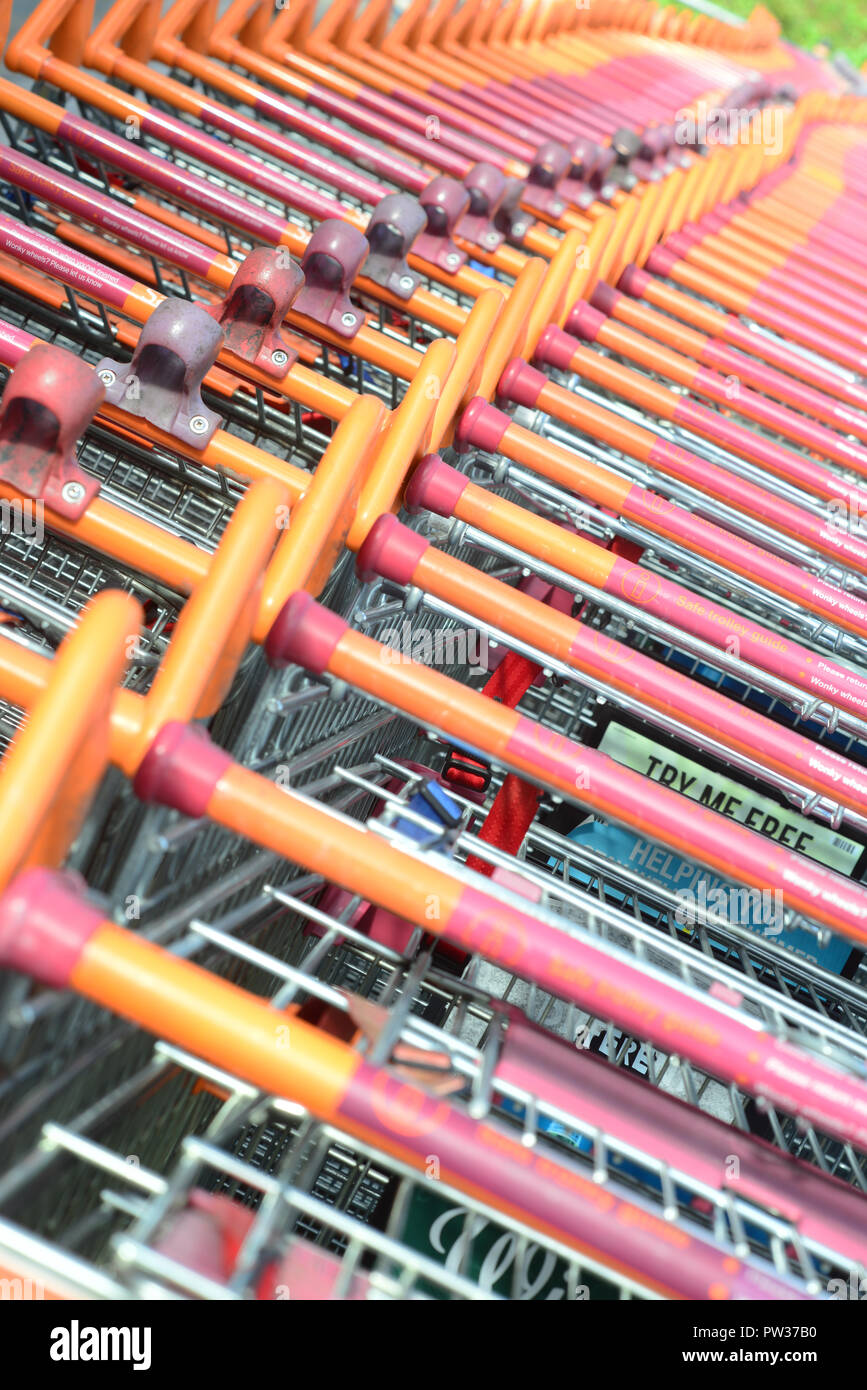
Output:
(390, 551)
(521, 383)
(45, 923)
(585, 321)
(435, 487)
(556, 348)
(661, 260)
(711, 222)
(683, 241)
(181, 769)
(604, 298)
(634, 281)
(304, 634)
(481, 426)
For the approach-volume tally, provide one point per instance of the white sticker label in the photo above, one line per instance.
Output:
(732, 799)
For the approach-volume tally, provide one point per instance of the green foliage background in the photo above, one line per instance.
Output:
(842, 25)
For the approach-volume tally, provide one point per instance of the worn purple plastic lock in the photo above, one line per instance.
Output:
(393, 228)
(577, 193)
(645, 170)
(585, 157)
(444, 201)
(49, 401)
(335, 254)
(178, 345)
(258, 300)
(618, 177)
(551, 163)
(607, 157)
(606, 162)
(626, 143)
(656, 140)
(510, 217)
(486, 186)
